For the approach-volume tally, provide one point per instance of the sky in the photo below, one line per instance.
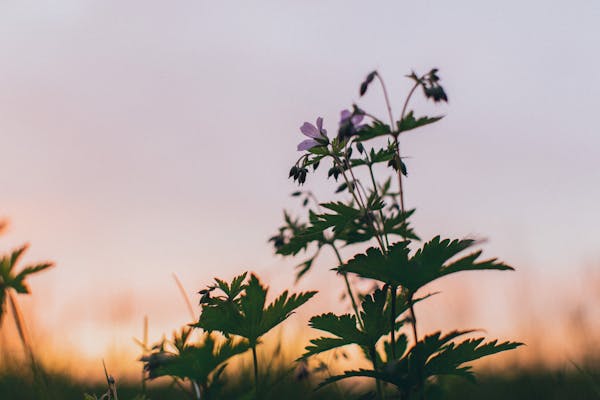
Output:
(142, 139)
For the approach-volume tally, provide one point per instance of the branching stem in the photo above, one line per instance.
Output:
(348, 287)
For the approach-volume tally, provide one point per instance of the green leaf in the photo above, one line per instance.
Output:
(382, 155)
(429, 263)
(324, 344)
(196, 362)
(375, 315)
(237, 286)
(432, 356)
(376, 129)
(247, 315)
(450, 359)
(409, 122)
(401, 346)
(282, 308)
(9, 280)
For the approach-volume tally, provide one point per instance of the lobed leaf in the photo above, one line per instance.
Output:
(409, 122)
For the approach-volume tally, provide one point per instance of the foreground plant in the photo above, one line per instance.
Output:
(241, 310)
(13, 283)
(201, 363)
(374, 212)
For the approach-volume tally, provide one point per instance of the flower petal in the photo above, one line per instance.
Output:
(345, 114)
(320, 124)
(307, 144)
(357, 119)
(309, 130)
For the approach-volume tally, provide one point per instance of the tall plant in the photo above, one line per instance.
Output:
(13, 283)
(373, 211)
(241, 310)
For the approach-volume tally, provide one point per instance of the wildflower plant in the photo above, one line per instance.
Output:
(373, 212)
(369, 211)
(241, 310)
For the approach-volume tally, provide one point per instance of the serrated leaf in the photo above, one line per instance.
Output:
(429, 263)
(450, 359)
(196, 362)
(247, 315)
(375, 129)
(10, 280)
(409, 122)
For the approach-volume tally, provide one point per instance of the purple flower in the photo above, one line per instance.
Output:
(355, 120)
(349, 124)
(315, 133)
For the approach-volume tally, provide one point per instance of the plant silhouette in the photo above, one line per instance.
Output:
(12, 283)
(242, 311)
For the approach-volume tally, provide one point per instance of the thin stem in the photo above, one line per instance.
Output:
(21, 328)
(40, 379)
(182, 387)
(393, 321)
(412, 91)
(385, 236)
(413, 317)
(359, 201)
(255, 359)
(416, 336)
(186, 298)
(397, 144)
(348, 287)
(387, 100)
(400, 188)
(377, 381)
(196, 389)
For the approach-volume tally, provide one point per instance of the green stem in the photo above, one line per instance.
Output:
(387, 100)
(413, 317)
(397, 144)
(393, 290)
(348, 287)
(255, 359)
(385, 236)
(358, 199)
(196, 389)
(377, 381)
(39, 377)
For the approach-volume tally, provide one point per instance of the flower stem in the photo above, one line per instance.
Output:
(255, 360)
(348, 287)
(393, 290)
(413, 317)
(397, 143)
(373, 354)
(387, 100)
(359, 201)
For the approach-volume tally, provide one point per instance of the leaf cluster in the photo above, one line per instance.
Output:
(242, 310)
(202, 362)
(11, 280)
(433, 356)
(435, 259)
(376, 311)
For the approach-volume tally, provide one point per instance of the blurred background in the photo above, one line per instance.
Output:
(143, 139)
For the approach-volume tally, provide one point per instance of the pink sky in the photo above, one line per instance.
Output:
(144, 139)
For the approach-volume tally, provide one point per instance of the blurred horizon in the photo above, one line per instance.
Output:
(142, 140)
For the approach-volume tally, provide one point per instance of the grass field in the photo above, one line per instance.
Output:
(520, 384)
